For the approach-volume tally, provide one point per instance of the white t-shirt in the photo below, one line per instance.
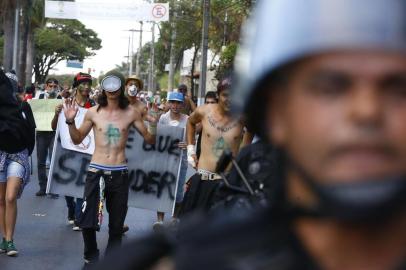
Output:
(166, 119)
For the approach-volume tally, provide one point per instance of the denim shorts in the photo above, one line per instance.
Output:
(13, 169)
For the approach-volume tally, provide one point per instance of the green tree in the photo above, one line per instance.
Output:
(62, 40)
(7, 13)
(226, 19)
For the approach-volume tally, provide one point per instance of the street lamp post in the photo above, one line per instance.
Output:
(138, 68)
(205, 40)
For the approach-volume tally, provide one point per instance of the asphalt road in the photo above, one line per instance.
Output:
(46, 241)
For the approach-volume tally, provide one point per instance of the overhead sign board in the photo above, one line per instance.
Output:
(74, 64)
(126, 11)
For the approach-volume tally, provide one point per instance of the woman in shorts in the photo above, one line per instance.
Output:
(14, 175)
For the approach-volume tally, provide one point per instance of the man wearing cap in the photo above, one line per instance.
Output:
(220, 131)
(330, 79)
(175, 118)
(133, 85)
(82, 83)
(107, 177)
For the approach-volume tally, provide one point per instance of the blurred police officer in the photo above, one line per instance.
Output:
(330, 79)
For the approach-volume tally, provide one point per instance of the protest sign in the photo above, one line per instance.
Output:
(87, 145)
(44, 111)
(67, 172)
(153, 169)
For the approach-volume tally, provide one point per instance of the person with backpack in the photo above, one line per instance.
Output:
(14, 173)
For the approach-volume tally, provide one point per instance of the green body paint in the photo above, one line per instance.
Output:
(112, 135)
(219, 147)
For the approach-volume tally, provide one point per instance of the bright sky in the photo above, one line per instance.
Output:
(115, 41)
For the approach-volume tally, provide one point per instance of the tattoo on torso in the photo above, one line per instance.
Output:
(220, 144)
(112, 135)
(221, 129)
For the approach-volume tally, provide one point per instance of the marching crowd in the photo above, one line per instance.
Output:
(318, 106)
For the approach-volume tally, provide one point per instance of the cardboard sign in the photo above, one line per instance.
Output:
(44, 111)
(153, 169)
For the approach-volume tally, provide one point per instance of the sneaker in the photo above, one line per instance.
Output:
(159, 225)
(125, 228)
(76, 228)
(3, 246)
(90, 262)
(53, 196)
(11, 249)
(71, 221)
(40, 193)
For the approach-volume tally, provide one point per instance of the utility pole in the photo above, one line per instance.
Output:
(205, 40)
(151, 62)
(16, 35)
(130, 72)
(172, 53)
(128, 55)
(131, 51)
(137, 67)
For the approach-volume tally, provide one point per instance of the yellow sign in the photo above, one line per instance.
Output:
(44, 111)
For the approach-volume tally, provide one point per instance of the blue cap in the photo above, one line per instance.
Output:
(175, 96)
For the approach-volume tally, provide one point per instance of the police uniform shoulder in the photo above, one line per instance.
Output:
(227, 242)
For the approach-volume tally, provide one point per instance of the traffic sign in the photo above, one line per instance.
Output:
(126, 11)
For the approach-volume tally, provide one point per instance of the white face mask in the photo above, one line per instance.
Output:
(132, 91)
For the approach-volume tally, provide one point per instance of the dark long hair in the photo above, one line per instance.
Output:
(122, 100)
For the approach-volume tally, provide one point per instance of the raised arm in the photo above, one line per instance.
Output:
(192, 104)
(149, 135)
(77, 135)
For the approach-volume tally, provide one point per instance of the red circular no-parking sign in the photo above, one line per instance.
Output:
(159, 11)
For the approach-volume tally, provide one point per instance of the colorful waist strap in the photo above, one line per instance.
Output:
(108, 167)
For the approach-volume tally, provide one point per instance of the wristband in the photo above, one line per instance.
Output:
(71, 122)
(190, 152)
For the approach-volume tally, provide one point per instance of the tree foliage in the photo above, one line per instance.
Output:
(62, 40)
(186, 18)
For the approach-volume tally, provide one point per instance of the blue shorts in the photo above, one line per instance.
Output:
(13, 169)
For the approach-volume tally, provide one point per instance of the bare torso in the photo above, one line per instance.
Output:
(219, 132)
(111, 132)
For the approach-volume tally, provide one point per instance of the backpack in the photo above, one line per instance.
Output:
(30, 126)
(13, 126)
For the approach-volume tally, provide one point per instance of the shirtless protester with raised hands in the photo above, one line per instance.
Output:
(107, 176)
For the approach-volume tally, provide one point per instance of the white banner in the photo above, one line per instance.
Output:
(126, 11)
(153, 169)
(87, 145)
